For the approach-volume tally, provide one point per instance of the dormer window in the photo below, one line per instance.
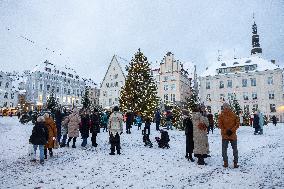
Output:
(223, 64)
(235, 63)
(248, 61)
(47, 69)
(63, 73)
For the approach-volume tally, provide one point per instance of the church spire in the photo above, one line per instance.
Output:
(255, 40)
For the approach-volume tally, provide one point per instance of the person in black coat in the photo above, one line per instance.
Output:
(274, 120)
(129, 121)
(158, 119)
(95, 126)
(39, 137)
(188, 127)
(58, 120)
(256, 123)
(85, 127)
(147, 126)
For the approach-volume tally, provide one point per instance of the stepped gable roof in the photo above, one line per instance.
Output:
(262, 65)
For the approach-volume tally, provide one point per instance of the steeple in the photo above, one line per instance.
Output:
(255, 40)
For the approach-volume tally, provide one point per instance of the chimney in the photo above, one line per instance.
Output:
(273, 61)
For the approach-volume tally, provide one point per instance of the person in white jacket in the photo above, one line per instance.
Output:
(115, 126)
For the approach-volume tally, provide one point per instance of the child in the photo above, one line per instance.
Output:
(147, 140)
(163, 142)
(138, 121)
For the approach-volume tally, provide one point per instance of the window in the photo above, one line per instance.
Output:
(253, 81)
(244, 82)
(63, 73)
(6, 95)
(207, 84)
(270, 80)
(254, 95)
(109, 101)
(107, 84)
(166, 78)
(255, 107)
(116, 84)
(208, 97)
(104, 93)
(40, 87)
(245, 96)
(166, 97)
(173, 97)
(222, 97)
(115, 76)
(246, 108)
(47, 69)
(47, 87)
(70, 75)
(0, 83)
(12, 95)
(173, 87)
(166, 87)
(68, 93)
(7, 85)
(271, 95)
(272, 108)
(229, 84)
(221, 84)
(65, 90)
(57, 89)
(246, 68)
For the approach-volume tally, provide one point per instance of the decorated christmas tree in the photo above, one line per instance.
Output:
(177, 117)
(246, 118)
(86, 100)
(139, 93)
(192, 101)
(51, 103)
(235, 106)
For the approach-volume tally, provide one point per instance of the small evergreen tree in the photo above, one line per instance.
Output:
(177, 117)
(246, 117)
(235, 106)
(51, 103)
(86, 100)
(192, 101)
(139, 93)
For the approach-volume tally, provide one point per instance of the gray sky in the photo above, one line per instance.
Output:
(88, 32)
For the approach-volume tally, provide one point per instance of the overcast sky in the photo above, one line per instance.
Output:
(87, 33)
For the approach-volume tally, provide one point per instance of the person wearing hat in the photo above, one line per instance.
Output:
(188, 128)
(39, 138)
(74, 121)
(229, 122)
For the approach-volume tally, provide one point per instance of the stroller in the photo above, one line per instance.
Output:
(163, 142)
(147, 140)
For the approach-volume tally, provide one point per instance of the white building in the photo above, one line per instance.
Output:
(94, 91)
(68, 87)
(257, 83)
(112, 82)
(8, 92)
(173, 79)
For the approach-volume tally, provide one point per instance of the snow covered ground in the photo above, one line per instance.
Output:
(261, 162)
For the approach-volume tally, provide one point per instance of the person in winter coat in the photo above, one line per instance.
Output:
(241, 116)
(138, 120)
(74, 121)
(188, 128)
(200, 138)
(158, 119)
(64, 130)
(115, 126)
(39, 138)
(52, 134)
(169, 118)
(104, 120)
(85, 127)
(58, 119)
(256, 123)
(274, 120)
(211, 122)
(95, 126)
(229, 122)
(129, 121)
(261, 122)
(147, 125)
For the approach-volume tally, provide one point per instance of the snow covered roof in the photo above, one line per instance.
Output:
(189, 67)
(260, 63)
(123, 63)
(90, 83)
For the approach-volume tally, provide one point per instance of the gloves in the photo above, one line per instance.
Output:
(53, 138)
(229, 132)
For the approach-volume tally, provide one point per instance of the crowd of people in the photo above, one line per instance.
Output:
(65, 127)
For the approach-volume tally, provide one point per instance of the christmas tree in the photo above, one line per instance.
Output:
(192, 101)
(246, 117)
(177, 117)
(139, 93)
(235, 106)
(51, 103)
(86, 100)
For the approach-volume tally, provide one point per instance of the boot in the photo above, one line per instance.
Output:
(45, 156)
(73, 146)
(50, 153)
(67, 144)
(236, 165)
(201, 161)
(41, 162)
(225, 164)
(190, 158)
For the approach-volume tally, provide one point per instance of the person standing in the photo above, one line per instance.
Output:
(256, 123)
(73, 127)
(52, 134)
(64, 130)
(58, 121)
(147, 126)
(229, 122)
(129, 121)
(188, 128)
(104, 120)
(138, 120)
(115, 126)
(158, 119)
(39, 138)
(200, 138)
(211, 122)
(85, 127)
(241, 116)
(261, 122)
(274, 120)
(169, 118)
(95, 126)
